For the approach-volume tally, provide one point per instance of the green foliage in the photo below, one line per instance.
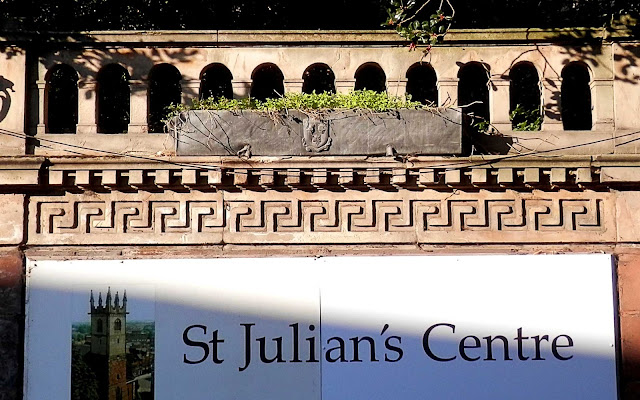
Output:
(81, 15)
(406, 17)
(359, 99)
(84, 384)
(481, 126)
(525, 120)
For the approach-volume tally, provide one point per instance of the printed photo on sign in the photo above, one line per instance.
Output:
(112, 344)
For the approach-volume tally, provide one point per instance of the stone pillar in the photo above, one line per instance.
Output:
(500, 104)
(293, 85)
(40, 128)
(139, 106)
(397, 87)
(241, 88)
(629, 309)
(345, 85)
(602, 98)
(87, 107)
(447, 91)
(190, 90)
(11, 323)
(551, 89)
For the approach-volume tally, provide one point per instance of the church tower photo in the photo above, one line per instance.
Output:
(108, 353)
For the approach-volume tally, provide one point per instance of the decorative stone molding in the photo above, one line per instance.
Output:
(299, 217)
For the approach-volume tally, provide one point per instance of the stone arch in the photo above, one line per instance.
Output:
(319, 78)
(113, 99)
(117, 324)
(422, 83)
(575, 97)
(164, 89)
(61, 99)
(216, 81)
(371, 76)
(267, 82)
(524, 94)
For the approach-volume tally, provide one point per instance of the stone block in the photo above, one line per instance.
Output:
(12, 208)
(630, 345)
(350, 132)
(627, 217)
(11, 283)
(619, 174)
(629, 282)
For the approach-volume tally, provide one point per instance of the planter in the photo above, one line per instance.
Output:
(346, 132)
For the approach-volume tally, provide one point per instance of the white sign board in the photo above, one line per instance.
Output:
(357, 328)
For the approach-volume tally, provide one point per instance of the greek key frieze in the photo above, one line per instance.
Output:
(348, 217)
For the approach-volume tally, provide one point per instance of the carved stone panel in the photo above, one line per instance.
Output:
(323, 217)
(347, 132)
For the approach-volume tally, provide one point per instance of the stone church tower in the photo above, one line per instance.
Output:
(108, 346)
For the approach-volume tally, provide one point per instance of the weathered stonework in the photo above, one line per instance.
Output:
(90, 195)
(350, 132)
(300, 217)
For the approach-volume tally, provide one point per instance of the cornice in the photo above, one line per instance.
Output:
(25, 174)
(174, 38)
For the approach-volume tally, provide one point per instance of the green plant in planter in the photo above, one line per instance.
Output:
(525, 120)
(359, 99)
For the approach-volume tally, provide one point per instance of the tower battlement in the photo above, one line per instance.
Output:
(112, 305)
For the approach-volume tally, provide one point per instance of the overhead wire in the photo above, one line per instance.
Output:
(450, 166)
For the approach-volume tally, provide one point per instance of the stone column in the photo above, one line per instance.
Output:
(603, 104)
(448, 91)
(397, 87)
(241, 88)
(190, 90)
(87, 107)
(499, 104)
(139, 106)
(345, 85)
(551, 90)
(293, 85)
(40, 128)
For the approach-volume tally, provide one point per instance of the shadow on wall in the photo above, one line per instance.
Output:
(236, 328)
(5, 96)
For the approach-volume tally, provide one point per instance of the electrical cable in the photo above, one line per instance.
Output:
(447, 166)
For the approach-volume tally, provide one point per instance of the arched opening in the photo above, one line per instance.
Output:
(267, 82)
(525, 105)
(473, 95)
(117, 325)
(61, 99)
(215, 81)
(318, 78)
(422, 83)
(370, 76)
(576, 97)
(99, 327)
(164, 90)
(113, 99)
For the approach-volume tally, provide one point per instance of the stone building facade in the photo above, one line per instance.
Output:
(88, 194)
